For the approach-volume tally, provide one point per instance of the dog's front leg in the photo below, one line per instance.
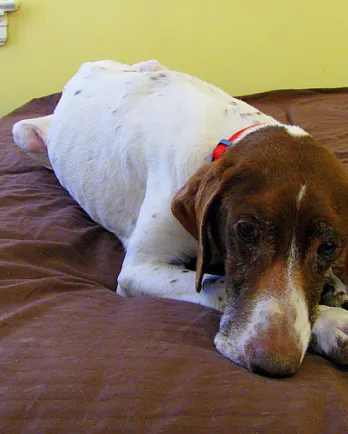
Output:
(155, 252)
(157, 279)
(330, 334)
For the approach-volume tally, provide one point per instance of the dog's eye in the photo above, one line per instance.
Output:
(327, 250)
(247, 232)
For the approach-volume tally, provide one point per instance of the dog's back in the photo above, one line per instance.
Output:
(129, 123)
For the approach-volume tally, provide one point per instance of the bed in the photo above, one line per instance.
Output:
(75, 357)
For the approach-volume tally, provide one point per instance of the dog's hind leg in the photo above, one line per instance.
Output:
(31, 135)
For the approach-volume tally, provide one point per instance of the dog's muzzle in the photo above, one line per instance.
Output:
(272, 343)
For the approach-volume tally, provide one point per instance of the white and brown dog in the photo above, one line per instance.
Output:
(136, 146)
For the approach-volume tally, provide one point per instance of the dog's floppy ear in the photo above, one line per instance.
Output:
(191, 207)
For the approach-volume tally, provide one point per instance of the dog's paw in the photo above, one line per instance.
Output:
(330, 334)
(335, 292)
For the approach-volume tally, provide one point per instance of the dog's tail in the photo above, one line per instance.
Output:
(31, 135)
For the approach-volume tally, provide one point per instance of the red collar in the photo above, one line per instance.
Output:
(223, 145)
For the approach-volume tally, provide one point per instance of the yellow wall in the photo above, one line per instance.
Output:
(244, 46)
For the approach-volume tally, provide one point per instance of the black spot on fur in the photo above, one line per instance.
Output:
(156, 268)
(155, 216)
(174, 280)
(114, 112)
(328, 288)
(233, 103)
(78, 92)
(159, 77)
(220, 298)
(226, 111)
(185, 271)
(246, 115)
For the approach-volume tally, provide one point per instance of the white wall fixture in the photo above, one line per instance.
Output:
(6, 6)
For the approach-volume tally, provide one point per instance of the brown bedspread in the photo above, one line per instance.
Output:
(75, 357)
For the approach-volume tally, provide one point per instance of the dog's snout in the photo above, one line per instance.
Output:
(274, 340)
(274, 360)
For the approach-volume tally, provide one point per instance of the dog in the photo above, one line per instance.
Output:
(177, 169)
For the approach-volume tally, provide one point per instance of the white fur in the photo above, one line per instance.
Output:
(302, 326)
(300, 196)
(295, 292)
(295, 131)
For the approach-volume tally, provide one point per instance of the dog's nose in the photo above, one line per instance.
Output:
(275, 362)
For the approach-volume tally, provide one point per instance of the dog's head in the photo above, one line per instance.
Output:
(276, 207)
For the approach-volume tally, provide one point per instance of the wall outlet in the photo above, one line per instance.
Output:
(6, 6)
